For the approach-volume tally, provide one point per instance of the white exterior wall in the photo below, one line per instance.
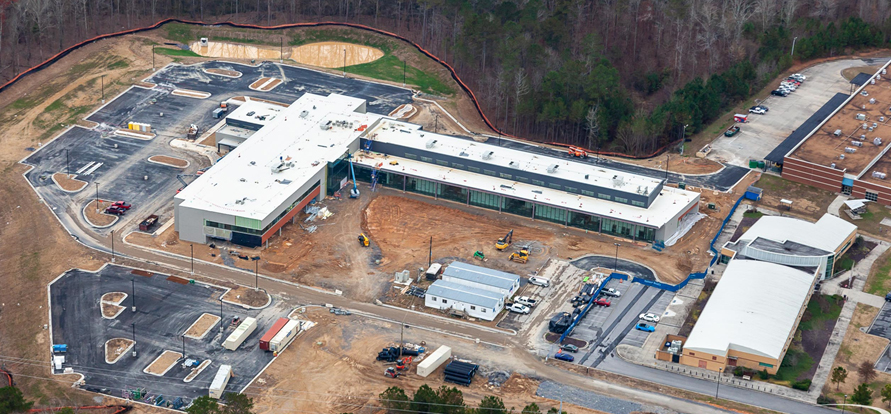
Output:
(671, 226)
(475, 312)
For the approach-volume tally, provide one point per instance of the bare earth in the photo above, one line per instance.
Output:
(334, 54)
(258, 85)
(171, 161)
(202, 325)
(68, 182)
(191, 93)
(247, 296)
(99, 218)
(163, 362)
(114, 297)
(858, 347)
(676, 164)
(224, 72)
(110, 310)
(115, 348)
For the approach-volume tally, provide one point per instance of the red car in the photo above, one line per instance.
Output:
(121, 205)
(602, 302)
(115, 210)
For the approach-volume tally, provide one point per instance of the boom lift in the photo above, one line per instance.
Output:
(577, 152)
(505, 241)
(354, 193)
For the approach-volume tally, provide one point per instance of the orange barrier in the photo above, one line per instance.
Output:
(8, 376)
(618, 154)
(451, 70)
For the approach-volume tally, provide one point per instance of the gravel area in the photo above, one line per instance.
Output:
(171, 161)
(68, 182)
(588, 399)
(200, 327)
(111, 311)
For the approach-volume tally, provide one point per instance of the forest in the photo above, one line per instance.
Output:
(623, 75)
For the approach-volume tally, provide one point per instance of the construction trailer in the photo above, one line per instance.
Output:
(284, 337)
(244, 330)
(434, 360)
(218, 385)
(276, 327)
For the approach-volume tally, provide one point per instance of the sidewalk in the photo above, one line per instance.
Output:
(836, 204)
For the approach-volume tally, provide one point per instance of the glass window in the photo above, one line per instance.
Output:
(452, 193)
(521, 179)
(458, 166)
(483, 310)
(445, 301)
(443, 163)
(555, 186)
(489, 172)
(518, 207)
(638, 203)
(472, 307)
(765, 365)
(473, 169)
(417, 185)
(411, 156)
(571, 189)
(604, 196)
(617, 228)
(622, 200)
(485, 200)
(588, 193)
(584, 221)
(538, 182)
(426, 159)
(548, 213)
(871, 196)
(504, 175)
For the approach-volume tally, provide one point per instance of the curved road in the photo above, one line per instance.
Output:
(627, 267)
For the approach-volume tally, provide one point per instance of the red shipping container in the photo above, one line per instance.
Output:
(279, 324)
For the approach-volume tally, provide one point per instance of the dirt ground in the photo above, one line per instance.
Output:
(172, 161)
(163, 362)
(334, 54)
(201, 325)
(808, 202)
(247, 296)
(676, 163)
(68, 182)
(113, 297)
(115, 347)
(97, 216)
(851, 73)
(110, 310)
(856, 348)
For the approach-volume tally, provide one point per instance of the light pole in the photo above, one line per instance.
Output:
(133, 295)
(112, 246)
(103, 87)
(845, 403)
(192, 256)
(153, 58)
(257, 274)
(792, 53)
(281, 50)
(221, 318)
(718, 387)
(667, 160)
(403, 73)
(97, 196)
(67, 164)
(134, 338)
(344, 62)
(616, 264)
(183, 336)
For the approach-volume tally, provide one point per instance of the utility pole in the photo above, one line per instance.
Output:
(192, 256)
(133, 295)
(97, 196)
(221, 318)
(112, 246)
(616, 265)
(430, 256)
(67, 164)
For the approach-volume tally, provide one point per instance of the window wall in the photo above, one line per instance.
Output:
(552, 214)
(518, 207)
(417, 185)
(631, 231)
(452, 193)
(485, 200)
(584, 221)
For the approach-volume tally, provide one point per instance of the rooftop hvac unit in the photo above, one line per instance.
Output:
(850, 150)
(879, 175)
(304, 113)
(837, 132)
(553, 168)
(431, 143)
(832, 165)
(872, 100)
(861, 117)
(488, 155)
(863, 137)
(514, 164)
(841, 157)
(877, 141)
(857, 143)
(884, 71)
(865, 126)
(871, 82)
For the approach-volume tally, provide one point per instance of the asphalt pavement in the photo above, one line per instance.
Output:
(623, 266)
(164, 311)
(881, 326)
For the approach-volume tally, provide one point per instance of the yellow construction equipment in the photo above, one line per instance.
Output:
(520, 256)
(505, 241)
(363, 239)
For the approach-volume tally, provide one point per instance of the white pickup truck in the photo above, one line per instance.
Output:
(526, 300)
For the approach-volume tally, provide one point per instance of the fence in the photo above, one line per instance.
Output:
(584, 311)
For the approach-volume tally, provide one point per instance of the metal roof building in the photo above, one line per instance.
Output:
(503, 283)
(477, 303)
(750, 318)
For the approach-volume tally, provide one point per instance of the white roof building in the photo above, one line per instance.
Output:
(754, 309)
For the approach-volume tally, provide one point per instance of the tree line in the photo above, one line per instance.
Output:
(447, 400)
(629, 75)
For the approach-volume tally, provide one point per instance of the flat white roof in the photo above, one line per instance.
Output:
(244, 183)
(465, 294)
(259, 109)
(481, 275)
(827, 234)
(753, 309)
(410, 135)
(667, 205)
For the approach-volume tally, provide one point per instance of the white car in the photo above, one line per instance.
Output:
(539, 281)
(799, 77)
(649, 317)
(611, 292)
(526, 301)
(516, 307)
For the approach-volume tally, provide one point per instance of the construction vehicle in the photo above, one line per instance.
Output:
(363, 239)
(479, 255)
(193, 131)
(505, 241)
(403, 364)
(391, 372)
(224, 105)
(354, 192)
(520, 256)
(577, 152)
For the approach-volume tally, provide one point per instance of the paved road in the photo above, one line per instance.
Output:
(627, 267)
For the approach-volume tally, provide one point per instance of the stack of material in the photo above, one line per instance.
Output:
(460, 372)
(391, 354)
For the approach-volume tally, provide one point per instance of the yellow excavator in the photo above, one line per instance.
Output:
(363, 239)
(520, 256)
(505, 241)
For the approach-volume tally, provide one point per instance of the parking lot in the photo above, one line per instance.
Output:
(763, 133)
(881, 326)
(165, 309)
(627, 267)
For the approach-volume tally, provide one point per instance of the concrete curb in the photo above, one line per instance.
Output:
(84, 214)
(220, 74)
(53, 177)
(188, 163)
(452, 321)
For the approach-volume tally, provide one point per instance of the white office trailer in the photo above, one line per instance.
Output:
(220, 380)
(284, 336)
(244, 330)
(503, 283)
(433, 361)
(464, 300)
(303, 153)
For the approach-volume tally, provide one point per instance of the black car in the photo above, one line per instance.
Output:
(777, 92)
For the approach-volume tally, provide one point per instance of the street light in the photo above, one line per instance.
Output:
(845, 403)
(718, 387)
(344, 62)
(257, 274)
(134, 338)
(192, 256)
(102, 78)
(112, 246)
(97, 196)
(221, 318)
(183, 336)
(792, 53)
(133, 294)
(67, 164)
(616, 264)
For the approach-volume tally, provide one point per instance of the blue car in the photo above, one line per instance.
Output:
(564, 357)
(644, 327)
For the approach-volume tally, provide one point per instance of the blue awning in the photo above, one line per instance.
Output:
(848, 182)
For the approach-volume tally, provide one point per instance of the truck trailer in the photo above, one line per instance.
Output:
(245, 329)
(218, 385)
(434, 360)
(276, 327)
(284, 336)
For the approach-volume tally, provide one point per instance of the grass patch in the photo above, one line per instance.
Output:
(389, 68)
(820, 309)
(120, 64)
(175, 52)
(753, 214)
(795, 363)
(819, 312)
(877, 284)
(55, 106)
(179, 32)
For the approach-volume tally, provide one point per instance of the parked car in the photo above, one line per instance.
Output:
(798, 77)
(644, 327)
(516, 307)
(649, 317)
(611, 292)
(569, 347)
(731, 131)
(758, 109)
(564, 357)
(792, 81)
(115, 210)
(778, 92)
(602, 302)
(788, 87)
(526, 301)
(121, 204)
(539, 281)
(888, 297)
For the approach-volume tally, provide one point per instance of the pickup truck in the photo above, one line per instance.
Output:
(731, 131)
(526, 300)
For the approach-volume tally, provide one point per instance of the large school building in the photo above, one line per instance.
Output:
(304, 153)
